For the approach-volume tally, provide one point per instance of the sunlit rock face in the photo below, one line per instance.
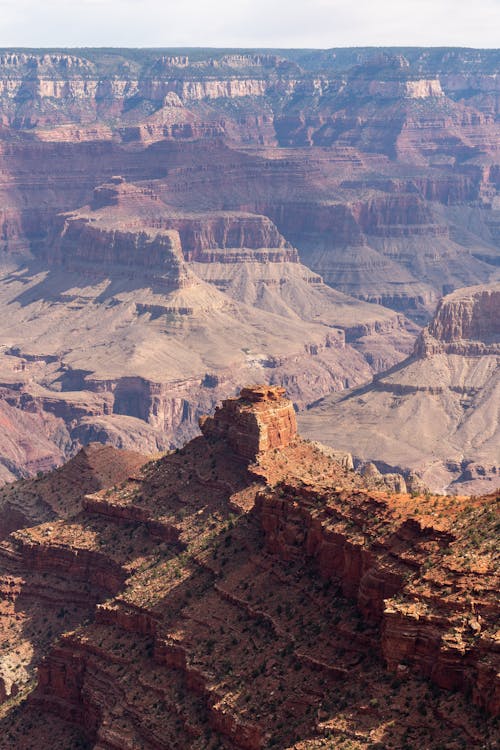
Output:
(261, 419)
(211, 589)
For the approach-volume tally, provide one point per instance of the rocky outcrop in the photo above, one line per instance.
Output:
(156, 241)
(393, 482)
(120, 253)
(232, 238)
(449, 641)
(258, 421)
(465, 319)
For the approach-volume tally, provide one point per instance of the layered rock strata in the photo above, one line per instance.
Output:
(466, 323)
(378, 169)
(276, 602)
(162, 312)
(259, 420)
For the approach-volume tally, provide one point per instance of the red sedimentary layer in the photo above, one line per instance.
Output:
(259, 420)
(449, 639)
(265, 611)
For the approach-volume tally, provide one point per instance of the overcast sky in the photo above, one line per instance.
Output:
(249, 23)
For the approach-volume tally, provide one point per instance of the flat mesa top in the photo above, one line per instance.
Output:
(256, 393)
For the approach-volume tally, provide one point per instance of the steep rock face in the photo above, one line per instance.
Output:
(232, 239)
(433, 634)
(249, 601)
(129, 228)
(473, 315)
(121, 253)
(439, 408)
(470, 314)
(258, 421)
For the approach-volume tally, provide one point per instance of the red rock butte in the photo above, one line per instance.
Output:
(259, 420)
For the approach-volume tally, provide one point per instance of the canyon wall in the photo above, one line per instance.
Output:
(224, 217)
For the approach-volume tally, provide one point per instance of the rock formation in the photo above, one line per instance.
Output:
(436, 413)
(58, 493)
(169, 282)
(249, 591)
(466, 322)
(259, 420)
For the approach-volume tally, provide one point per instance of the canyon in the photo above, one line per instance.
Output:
(249, 399)
(176, 224)
(245, 591)
(141, 317)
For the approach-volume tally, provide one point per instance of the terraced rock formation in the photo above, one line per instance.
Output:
(145, 316)
(438, 411)
(248, 592)
(58, 493)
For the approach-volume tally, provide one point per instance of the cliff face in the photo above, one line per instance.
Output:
(254, 603)
(442, 635)
(258, 421)
(471, 316)
(126, 226)
(439, 407)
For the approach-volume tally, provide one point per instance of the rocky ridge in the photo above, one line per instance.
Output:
(275, 602)
(58, 493)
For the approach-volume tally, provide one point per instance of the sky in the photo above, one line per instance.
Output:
(249, 23)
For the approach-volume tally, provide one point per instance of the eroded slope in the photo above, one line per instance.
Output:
(147, 315)
(259, 595)
(437, 412)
